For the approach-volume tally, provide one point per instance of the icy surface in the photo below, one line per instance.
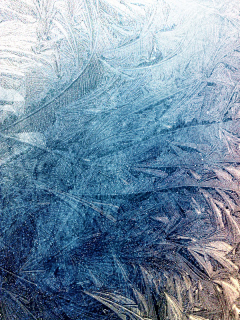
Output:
(119, 159)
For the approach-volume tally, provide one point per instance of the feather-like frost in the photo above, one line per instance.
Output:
(119, 160)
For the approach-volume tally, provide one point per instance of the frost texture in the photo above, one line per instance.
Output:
(119, 159)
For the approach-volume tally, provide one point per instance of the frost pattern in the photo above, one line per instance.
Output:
(119, 159)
